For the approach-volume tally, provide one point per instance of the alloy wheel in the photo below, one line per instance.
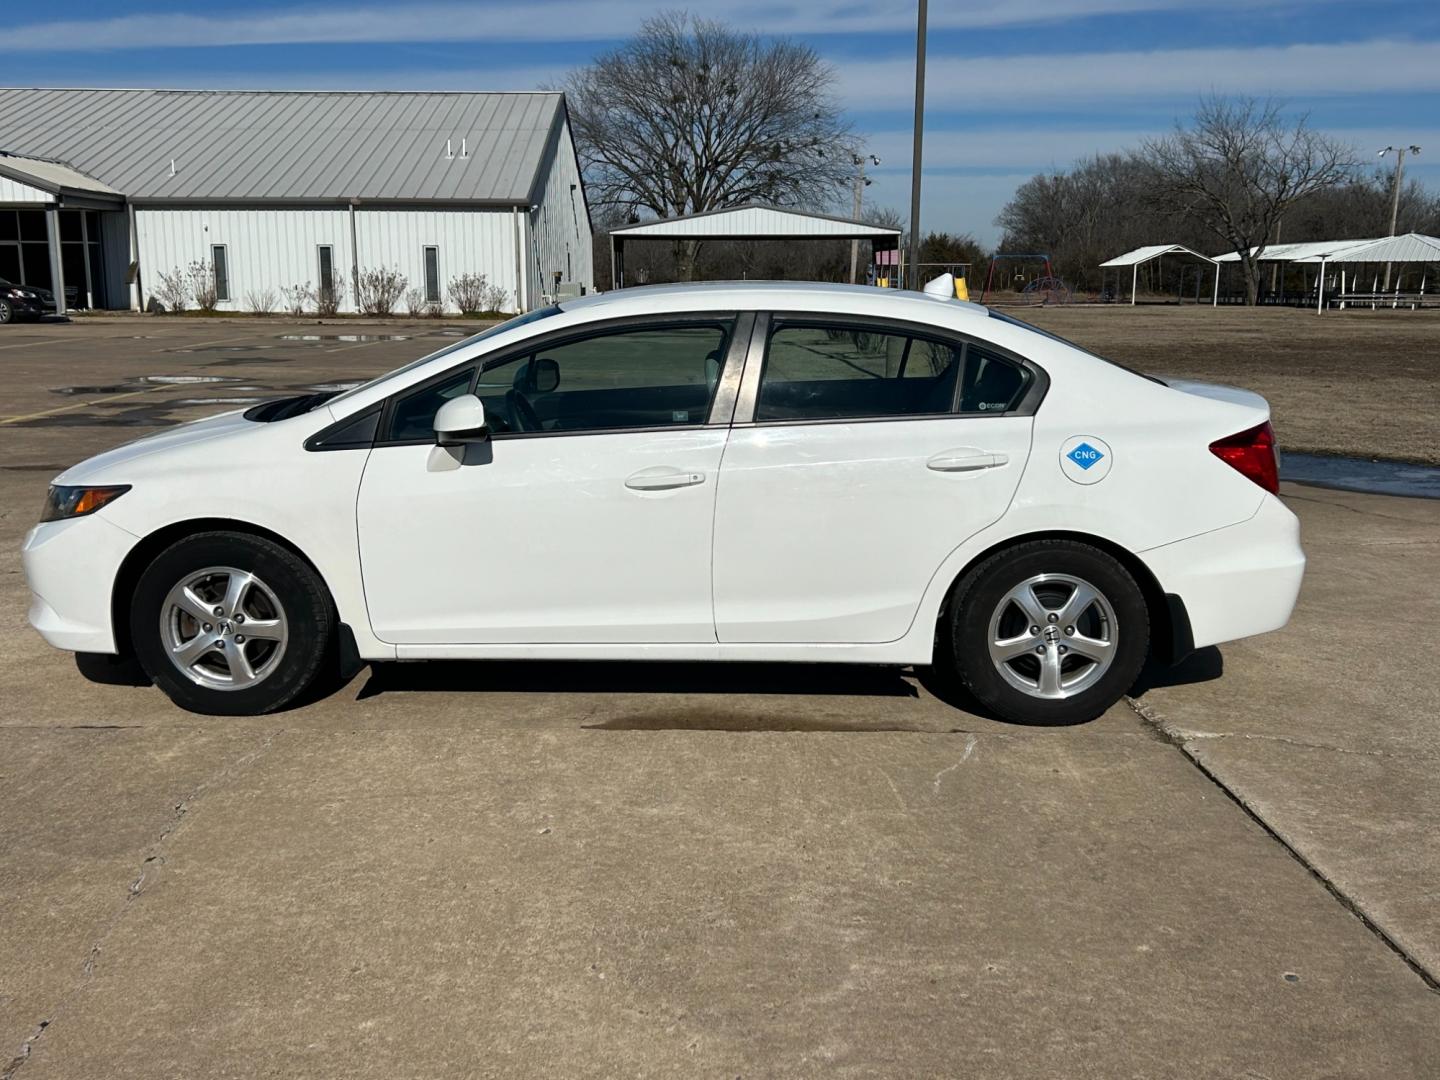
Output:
(1053, 636)
(223, 628)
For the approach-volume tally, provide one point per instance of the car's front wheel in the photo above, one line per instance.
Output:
(231, 624)
(1050, 631)
(7, 312)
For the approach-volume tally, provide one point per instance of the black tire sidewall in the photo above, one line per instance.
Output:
(7, 313)
(977, 596)
(309, 615)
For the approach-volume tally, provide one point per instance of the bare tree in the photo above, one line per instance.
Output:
(690, 116)
(1239, 167)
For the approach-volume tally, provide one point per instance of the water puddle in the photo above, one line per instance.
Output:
(1358, 474)
(221, 348)
(147, 382)
(218, 401)
(345, 337)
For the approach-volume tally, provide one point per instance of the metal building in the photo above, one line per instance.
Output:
(108, 189)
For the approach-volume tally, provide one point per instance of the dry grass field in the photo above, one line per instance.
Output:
(1352, 383)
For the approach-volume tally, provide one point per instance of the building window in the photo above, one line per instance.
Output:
(220, 263)
(432, 275)
(327, 268)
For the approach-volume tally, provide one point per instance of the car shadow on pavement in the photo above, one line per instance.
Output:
(1203, 665)
(638, 677)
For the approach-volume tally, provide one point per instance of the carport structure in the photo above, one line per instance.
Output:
(751, 222)
(1141, 255)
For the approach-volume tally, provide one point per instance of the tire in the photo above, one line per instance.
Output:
(7, 313)
(1087, 653)
(281, 602)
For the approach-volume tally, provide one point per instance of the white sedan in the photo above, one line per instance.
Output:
(760, 472)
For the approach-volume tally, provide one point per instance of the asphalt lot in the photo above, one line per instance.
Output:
(602, 869)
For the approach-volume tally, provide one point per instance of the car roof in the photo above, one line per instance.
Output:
(771, 296)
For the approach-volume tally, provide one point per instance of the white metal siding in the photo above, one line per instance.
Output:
(561, 226)
(268, 249)
(470, 242)
(12, 191)
(276, 249)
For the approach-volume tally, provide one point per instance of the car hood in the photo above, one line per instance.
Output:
(110, 466)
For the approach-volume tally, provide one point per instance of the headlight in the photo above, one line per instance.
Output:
(63, 502)
(19, 294)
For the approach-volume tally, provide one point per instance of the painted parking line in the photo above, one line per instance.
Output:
(85, 404)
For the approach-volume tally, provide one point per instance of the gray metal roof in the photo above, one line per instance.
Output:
(52, 176)
(757, 221)
(289, 146)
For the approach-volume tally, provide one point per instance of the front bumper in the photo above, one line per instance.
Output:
(1237, 581)
(71, 568)
(27, 308)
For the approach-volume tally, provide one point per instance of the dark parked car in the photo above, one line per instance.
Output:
(24, 302)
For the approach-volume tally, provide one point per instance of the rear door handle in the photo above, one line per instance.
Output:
(965, 460)
(663, 478)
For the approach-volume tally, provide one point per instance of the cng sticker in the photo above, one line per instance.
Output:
(1085, 459)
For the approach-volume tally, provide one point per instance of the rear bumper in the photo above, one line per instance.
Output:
(1237, 581)
(71, 568)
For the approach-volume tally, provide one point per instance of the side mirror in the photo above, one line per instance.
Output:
(461, 420)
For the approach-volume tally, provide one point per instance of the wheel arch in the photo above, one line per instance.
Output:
(150, 546)
(1170, 636)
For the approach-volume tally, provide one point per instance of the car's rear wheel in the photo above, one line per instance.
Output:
(1050, 631)
(231, 624)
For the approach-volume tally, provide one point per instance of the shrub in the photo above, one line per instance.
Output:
(378, 291)
(296, 298)
(201, 277)
(328, 300)
(173, 290)
(415, 302)
(467, 292)
(260, 301)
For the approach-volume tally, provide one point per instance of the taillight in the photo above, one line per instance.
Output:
(1252, 453)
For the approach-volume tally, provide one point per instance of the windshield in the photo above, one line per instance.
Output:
(464, 343)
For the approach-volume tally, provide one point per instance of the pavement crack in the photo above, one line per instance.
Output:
(23, 1054)
(1181, 741)
(964, 757)
(150, 865)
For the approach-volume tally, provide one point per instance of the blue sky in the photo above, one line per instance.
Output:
(1015, 88)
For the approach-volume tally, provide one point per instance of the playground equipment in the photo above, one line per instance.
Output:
(1046, 288)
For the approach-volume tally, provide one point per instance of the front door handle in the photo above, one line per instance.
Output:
(663, 478)
(965, 460)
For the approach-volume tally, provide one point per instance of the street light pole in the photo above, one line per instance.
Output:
(861, 183)
(912, 271)
(1400, 152)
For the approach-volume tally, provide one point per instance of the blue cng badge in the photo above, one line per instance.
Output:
(1086, 459)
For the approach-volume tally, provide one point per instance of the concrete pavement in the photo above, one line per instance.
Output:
(660, 870)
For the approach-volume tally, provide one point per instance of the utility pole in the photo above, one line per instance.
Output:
(1399, 152)
(861, 183)
(912, 274)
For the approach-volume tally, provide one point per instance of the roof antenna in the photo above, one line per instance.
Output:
(464, 151)
(449, 151)
(172, 166)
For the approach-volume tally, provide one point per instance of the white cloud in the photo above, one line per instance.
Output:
(553, 20)
(1046, 83)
